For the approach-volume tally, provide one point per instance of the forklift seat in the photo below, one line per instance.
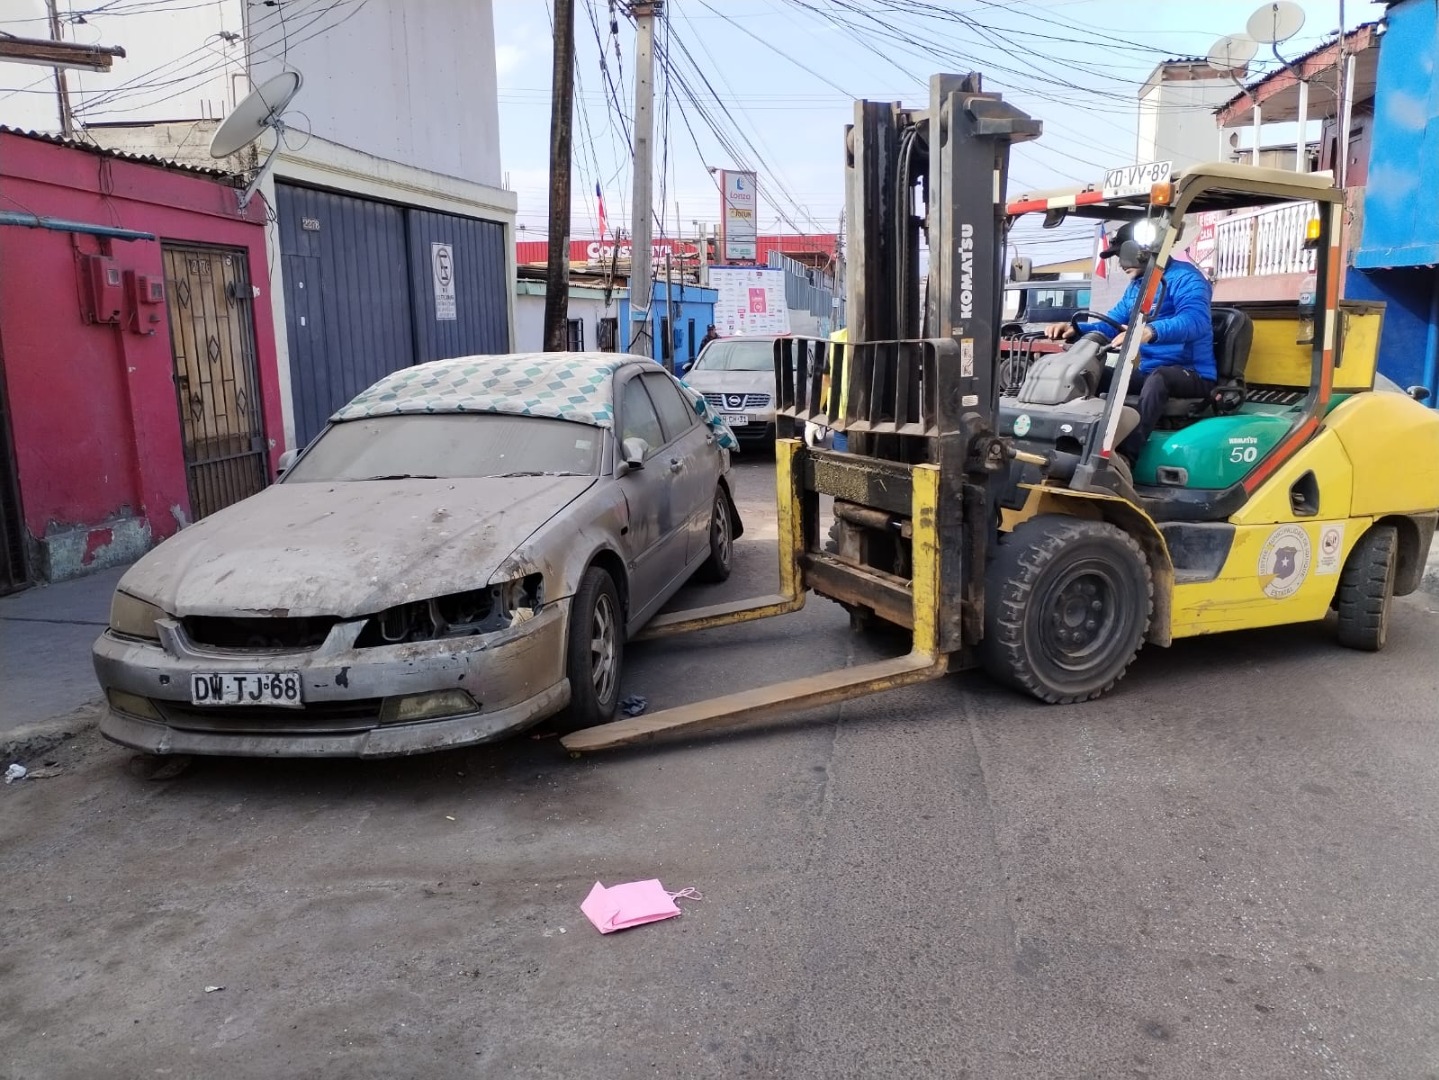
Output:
(1233, 335)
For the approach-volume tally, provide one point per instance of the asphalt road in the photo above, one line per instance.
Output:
(1227, 868)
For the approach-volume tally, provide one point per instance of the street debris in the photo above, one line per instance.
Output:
(45, 772)
(15, 772)
(213, 989)
(633, 706)
(634, 903)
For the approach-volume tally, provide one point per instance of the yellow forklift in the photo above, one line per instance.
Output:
(992, 519)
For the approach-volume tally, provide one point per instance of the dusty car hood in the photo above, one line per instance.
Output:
(348, 549)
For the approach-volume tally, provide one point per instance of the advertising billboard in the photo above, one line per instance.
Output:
(750, 301)
(739, 216)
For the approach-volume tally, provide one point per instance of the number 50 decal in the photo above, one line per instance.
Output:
(1246, 455)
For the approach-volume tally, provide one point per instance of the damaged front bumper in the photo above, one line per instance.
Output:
(516, 678)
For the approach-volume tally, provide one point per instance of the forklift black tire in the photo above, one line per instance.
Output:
(1366, 589)
(1067, 607)
(594, 660)
(721, 533)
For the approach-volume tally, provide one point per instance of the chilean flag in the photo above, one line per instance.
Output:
(1101, 267)
(600, 201)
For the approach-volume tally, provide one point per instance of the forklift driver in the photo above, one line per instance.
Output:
(1176, 356)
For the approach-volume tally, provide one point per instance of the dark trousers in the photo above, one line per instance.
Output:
(1154, 390)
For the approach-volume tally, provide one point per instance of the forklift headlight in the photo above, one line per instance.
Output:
(1146, 232)
(132, 617)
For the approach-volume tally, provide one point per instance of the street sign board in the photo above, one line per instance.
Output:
(442, 263)
(1129, 180)
(739, 215)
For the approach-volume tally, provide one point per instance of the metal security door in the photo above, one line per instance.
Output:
(13, 571)
(217, 385)
(347, 298)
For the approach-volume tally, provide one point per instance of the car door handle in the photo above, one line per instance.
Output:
(676, 464)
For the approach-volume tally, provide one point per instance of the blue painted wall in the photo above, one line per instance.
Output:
(693, 306)
(1408, 296)
(1401, 213)
(1395, 256)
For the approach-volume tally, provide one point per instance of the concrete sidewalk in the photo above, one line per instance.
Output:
(45, 639)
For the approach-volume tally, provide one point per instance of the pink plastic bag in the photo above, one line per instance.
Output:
(632, 904)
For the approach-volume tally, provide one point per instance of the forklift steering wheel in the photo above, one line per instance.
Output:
(1074, 322)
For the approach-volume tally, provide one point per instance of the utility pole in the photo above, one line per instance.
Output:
(641, 331)
(562, 107)
(702, 275)
(62, 86)
(670, 291)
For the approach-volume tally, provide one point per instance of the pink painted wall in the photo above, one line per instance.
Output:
(96, 425)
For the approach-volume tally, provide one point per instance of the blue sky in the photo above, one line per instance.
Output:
(780, 76)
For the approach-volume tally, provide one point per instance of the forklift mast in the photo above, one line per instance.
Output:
(916, 382)
(916, 495)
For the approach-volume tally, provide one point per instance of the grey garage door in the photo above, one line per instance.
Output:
(371, 288)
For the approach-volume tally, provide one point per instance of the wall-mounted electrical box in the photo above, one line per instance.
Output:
(149, 289)
(105, 291)
(143, 294)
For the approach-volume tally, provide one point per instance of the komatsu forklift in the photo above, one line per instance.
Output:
(991, 519)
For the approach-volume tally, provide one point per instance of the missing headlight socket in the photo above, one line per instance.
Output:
(476, 611)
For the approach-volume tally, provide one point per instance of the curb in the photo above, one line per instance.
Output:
(32, 740)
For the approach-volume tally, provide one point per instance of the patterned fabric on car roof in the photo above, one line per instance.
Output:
(565, 386)
(561, 386)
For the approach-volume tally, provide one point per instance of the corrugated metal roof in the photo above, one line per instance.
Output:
(140, 159)
(1251, 86)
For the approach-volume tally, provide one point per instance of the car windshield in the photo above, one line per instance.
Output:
(449, 446)
(749, 355)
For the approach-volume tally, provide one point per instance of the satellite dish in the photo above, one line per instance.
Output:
(1276, 22)
(1232, 52)
(260, 111)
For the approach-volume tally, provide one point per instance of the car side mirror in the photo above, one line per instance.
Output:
(635, 450)
(1418, 393)
(287, 461)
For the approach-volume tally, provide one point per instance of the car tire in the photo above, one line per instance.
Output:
(1067, 608)
(721, 536)
(595, 658)
(1366, 589)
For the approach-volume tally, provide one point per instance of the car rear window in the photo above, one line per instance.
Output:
(449, 446)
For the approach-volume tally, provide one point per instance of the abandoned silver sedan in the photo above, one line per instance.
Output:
(461, 554)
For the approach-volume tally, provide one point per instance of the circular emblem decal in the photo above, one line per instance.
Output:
(1021, 425)
(1284, 562)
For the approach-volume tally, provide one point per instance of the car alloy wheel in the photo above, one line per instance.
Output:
(604, 654)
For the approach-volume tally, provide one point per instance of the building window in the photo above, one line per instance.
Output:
(667, 346)
(608, 333)
(692, 340)
(577, 335)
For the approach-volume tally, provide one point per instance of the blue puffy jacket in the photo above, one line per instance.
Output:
(1183, 330)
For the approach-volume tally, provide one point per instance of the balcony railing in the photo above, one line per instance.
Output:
(1259, 243)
